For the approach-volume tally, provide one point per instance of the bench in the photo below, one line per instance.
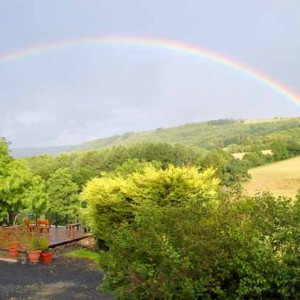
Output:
(42, 225)
(29, 226)
(73, 225)
(71, 228)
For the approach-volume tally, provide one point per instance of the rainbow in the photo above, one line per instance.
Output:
(157, 43)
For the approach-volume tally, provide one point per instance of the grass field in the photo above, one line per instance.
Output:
(84, 254)
(280, 178)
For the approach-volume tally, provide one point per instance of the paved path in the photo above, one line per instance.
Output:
(64, 279)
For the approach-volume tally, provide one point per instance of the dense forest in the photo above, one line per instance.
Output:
(171, 220)
(208, 135)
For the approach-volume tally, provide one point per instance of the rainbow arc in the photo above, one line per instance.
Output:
(163, 44)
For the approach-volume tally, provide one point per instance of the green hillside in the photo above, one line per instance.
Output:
(235, 135)
(209, 135)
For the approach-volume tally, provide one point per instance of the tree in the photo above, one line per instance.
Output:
(18, 185)
(279, 150)
(112, 201)
(134, 166)
(20, 189)
(42, 165)
(36, 199)
(229, 170)
(4, 155)
(86, 165)
(63, 195)
(257, 158)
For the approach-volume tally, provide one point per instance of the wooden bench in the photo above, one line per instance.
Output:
(71, 228)
(73, 225)
(42, 225)
(29, 226)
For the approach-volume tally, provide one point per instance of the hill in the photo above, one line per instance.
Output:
(208, 135)
(281, 178)
(31, 151)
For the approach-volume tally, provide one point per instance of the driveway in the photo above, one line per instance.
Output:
(65, 278)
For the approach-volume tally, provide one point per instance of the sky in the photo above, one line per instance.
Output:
(74, 94)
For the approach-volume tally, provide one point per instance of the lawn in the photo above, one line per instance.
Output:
(280, 178)
(84, 254)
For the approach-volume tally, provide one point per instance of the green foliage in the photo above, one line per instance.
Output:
(134, 166)
(43, 165)
(256, 158)
(63, 195)
(279, 150)
(171, 235)
(85, 165)
(4, 155)
(113, 201)
(229, 170)
(38, 243)
(36, 198)
(20, 189)
(209, 135)
(238, 135)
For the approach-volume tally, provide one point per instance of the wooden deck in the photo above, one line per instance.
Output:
(56, 236)
(59, 236)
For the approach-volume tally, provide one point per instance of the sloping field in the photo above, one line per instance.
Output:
(280, 178)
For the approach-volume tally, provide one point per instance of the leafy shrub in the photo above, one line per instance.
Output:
(171, 236)
(38, 243)
(113, 201)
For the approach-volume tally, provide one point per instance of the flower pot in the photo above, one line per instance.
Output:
(47, 257)
(14, 252)
(13, 245)
(34, 255)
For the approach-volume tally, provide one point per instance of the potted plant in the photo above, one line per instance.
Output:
(13, 248)
(13, 244)
(35, 248)
(24, 243)
(46, 255)
(14, 252)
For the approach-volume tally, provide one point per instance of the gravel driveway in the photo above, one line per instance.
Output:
(64, 278)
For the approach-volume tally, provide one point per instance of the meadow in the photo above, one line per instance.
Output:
(281, 178)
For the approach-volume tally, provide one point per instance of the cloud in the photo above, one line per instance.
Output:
(33, 118)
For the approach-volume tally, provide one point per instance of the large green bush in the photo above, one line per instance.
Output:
(171, 236)
(113, 201)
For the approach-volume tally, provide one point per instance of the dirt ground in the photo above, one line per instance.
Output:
(65, 278)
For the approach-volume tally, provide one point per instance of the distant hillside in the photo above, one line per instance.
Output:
(209, 135)
(26, 152)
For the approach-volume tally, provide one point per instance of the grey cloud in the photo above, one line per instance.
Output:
(91, 91)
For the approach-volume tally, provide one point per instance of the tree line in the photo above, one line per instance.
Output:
(52, 184)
